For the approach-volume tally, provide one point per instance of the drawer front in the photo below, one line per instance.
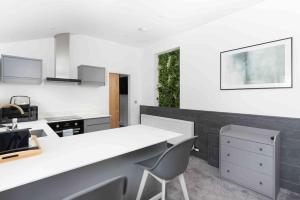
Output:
(95, 121)
(248, 145)
(259, 163)
(250, 179)
(99, 127)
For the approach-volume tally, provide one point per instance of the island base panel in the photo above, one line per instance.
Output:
(62, 185)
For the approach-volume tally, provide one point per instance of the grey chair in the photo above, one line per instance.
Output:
(113, 189)
(167, 166)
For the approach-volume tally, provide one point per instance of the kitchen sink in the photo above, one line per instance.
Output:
(38, 133)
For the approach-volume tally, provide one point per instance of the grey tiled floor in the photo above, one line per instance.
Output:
(204, 184)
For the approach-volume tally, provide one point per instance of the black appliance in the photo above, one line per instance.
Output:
(30, 114)
(66, 125)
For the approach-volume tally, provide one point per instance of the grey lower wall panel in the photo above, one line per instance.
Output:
(62, 185)
(208, 125)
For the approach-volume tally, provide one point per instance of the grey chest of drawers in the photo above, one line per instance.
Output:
(250, 157)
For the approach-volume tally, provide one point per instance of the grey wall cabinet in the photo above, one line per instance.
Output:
(96, 124)
(250, 157)
(91, 75)
(19, 69)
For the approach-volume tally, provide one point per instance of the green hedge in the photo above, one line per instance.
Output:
(169, 79)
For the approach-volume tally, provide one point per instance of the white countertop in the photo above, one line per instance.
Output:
(79, 115)
(68, 153)
(91, 116)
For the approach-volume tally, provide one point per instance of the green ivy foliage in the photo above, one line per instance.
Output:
(169, 79)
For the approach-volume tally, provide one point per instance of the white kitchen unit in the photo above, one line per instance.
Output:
(250, 157)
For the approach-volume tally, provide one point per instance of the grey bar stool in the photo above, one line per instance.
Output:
(167, 166)
(113, 189)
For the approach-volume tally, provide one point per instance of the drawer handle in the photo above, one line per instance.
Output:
(228, 142)
(260, 149)
(228, 154)
(228, 171)
(260, 183)
(260, 164)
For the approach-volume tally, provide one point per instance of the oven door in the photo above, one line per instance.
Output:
(67, 128)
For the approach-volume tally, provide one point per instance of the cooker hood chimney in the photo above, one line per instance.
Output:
(62, 59)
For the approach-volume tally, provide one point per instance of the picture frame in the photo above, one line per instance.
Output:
(266, 65)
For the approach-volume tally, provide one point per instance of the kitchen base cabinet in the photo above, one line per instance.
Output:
(250, 157)
(96, 124)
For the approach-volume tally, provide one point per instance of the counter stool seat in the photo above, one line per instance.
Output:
(167, 166)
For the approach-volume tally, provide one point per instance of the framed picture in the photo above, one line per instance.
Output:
(260, 66)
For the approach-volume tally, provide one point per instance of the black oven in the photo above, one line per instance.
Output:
(67, 128)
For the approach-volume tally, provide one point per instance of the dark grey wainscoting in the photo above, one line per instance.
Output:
(208, 124)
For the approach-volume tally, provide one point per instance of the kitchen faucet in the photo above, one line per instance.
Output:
(14, 120)
(12, 105)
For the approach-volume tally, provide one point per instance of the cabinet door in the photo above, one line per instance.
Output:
(248, 178)
(95, 121)
(96, 124)
(21, 68)
(256, 162)
(254, 147)
(91, 74)
(97, 127)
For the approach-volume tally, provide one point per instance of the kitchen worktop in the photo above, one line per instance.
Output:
(77, 115)
(68, 153)
(92, 116)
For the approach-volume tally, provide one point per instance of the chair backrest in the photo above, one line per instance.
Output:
(113, 189)
(174, 161)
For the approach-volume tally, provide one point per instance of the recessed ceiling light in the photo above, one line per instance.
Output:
(142, 29)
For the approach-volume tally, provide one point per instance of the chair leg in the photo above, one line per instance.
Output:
(142, 185)
(183, 186)
(156, 197)
(163, 190)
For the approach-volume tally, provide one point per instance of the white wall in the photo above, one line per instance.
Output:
(67, 99)
(199, 70)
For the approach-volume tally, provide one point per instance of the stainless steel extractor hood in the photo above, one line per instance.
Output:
(62, 59)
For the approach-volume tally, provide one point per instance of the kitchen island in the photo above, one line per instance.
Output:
(72, 163)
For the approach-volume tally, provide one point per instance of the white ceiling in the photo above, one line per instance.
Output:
(116, 20)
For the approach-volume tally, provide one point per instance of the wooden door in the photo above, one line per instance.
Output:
(114, 100)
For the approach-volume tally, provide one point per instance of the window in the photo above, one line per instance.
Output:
(169, 79)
